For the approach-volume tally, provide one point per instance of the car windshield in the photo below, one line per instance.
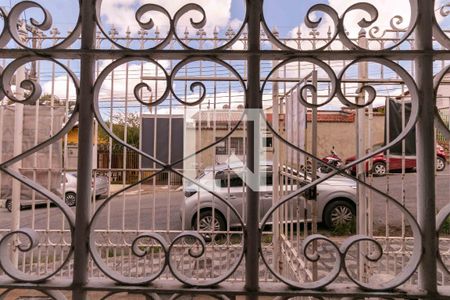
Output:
(205, 178)
(233, 177)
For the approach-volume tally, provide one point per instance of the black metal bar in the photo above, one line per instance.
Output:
(253, 101)
(268, 55)
(85, 138)
(425, 144)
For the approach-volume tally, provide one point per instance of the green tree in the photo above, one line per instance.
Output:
(119, 123)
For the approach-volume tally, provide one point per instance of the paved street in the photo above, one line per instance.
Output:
(159, 209)
(398, 186)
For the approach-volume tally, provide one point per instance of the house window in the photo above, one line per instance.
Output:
(267, 142)
(237, 145)
(233, 145)
(266, 178)
(221, 147)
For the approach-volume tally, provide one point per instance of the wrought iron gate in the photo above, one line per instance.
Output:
(235, 253)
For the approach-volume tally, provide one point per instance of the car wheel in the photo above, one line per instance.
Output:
(208, 223)
(379, 169)
(440, 164)
(70, 199)
(8, 205)
(338, 213)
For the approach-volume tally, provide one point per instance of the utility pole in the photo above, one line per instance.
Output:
(277, 262)
(360, 147)
(17, 147)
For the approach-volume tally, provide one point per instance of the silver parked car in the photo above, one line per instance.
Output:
(336, 198)
(69, 186)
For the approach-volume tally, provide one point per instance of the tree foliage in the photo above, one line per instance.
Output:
(121, 125)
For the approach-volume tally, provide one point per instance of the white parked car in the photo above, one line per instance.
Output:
(69, 187)
(336, 198)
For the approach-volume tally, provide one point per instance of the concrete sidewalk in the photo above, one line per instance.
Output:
(143, 188)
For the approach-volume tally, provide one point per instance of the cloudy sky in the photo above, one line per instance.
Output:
(285, 15)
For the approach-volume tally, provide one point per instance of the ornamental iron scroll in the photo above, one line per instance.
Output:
(168, 248)
(444, 213)
(193, 244)
(4, 34)
(50, 294)
(340, 263)
(31, 235)
(35, 92)
(154, 296)
(340, 32)
(11, 29)
(173, 30)
(438, 32)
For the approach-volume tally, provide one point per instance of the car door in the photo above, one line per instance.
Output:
(265, 191)
(293, 210)
(410, 162)
(233, 190)
(395, 162)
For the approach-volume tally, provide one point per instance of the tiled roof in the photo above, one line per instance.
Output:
(229, 116)
(333, 116)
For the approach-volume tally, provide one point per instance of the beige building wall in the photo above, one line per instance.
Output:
(46, 164)
(206, 137)
(209, 157)
(343, 136)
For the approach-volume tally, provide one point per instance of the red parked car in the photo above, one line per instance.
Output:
(380, 163)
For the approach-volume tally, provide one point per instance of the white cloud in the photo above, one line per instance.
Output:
(122, 13)
(65, 89)
(135, 71)
(235, 24)
(387, 9)
(61, 88)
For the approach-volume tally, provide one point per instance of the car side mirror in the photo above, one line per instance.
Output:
(311, 193)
